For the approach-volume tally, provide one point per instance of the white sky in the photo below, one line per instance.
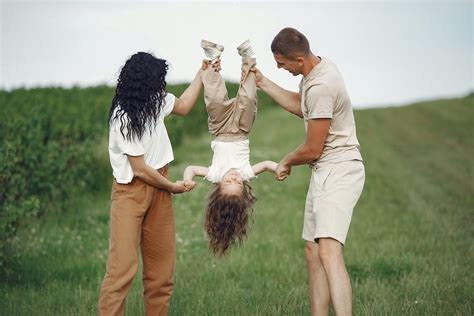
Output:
(388, 52)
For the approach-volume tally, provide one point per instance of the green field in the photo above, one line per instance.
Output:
(409, 249)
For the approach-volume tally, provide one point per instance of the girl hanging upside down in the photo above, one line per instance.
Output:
(230, 203)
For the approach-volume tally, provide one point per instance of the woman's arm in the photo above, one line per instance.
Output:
(151, 176)
(263, 166)
(185, 103)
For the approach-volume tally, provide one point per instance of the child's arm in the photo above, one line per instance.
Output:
(263, 166)
(192, 171)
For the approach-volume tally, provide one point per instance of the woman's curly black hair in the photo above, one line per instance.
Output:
(139, 95)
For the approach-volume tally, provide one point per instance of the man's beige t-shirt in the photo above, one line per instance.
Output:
(323, 95)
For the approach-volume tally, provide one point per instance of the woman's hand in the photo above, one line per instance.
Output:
(179, 187)
(189, 184)
(216, 65)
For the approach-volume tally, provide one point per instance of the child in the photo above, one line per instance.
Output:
(230, 202)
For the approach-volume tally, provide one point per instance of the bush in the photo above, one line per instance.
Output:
(47, 152)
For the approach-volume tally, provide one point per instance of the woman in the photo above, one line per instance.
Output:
(141, 212)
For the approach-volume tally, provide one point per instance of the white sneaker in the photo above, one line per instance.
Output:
(245, 50)
(211, 50)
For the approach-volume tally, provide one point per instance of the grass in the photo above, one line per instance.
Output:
(409, 249)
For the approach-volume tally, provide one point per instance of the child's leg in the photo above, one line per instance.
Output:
(215, 90)
(247, 97)
(217, 101)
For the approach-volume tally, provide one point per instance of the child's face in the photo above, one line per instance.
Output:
(232, 183)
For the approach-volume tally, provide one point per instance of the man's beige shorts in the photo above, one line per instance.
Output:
(333, 192)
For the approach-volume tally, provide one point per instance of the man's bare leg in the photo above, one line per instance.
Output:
(330, 254)
(318, 284)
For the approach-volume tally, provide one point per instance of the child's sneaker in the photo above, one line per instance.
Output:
(212, 50)
(245, 50)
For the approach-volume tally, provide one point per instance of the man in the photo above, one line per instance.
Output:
(333, 152)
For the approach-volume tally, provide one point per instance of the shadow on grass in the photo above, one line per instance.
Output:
(380, 269)
(29, 273)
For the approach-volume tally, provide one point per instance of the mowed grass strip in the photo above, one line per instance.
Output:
(409, 249)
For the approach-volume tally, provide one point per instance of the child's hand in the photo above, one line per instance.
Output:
(282, 171)
(189, 184)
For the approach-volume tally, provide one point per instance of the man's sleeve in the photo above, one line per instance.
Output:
(319, 102)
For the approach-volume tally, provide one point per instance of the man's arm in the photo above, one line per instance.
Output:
(308, 152)
(288, 100)
(185, 103)
(151, 176)
(263, 166)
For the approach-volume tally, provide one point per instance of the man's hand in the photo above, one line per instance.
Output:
(282, 171)
(216, 65)
(258, 75)
(179, 187)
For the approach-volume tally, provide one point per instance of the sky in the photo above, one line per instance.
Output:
(389, 52)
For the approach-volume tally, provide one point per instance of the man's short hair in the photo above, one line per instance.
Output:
(290, 43)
